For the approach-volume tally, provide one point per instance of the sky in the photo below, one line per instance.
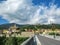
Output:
(30, 11)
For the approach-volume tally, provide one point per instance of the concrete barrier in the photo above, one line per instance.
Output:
(32, 41)
(37, 40)
(28, 41)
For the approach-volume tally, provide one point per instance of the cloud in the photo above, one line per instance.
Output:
(24, 12)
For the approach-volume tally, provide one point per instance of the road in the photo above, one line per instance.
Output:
(47, 41)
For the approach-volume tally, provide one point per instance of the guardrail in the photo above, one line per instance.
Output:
(29, 41)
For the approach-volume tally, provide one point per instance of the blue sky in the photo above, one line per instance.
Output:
(29, 11)
(2, 21)
(46, 2)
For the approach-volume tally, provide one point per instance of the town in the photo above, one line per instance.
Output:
(32, 29)
(27, 31)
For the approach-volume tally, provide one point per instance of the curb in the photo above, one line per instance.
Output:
(25, 42)
(37, 40)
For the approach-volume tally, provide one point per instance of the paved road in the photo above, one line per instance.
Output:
(47, 41)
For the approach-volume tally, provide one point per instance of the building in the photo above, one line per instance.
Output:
(10, 29)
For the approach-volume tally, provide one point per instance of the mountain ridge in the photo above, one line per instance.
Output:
(49, 26)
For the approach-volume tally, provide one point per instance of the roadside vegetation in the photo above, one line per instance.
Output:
(52, 33)
(12, 40)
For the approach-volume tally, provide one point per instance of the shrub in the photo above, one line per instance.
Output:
(52, 33)
(12, 40)
(2, 40)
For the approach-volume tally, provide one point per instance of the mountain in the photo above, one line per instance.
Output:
(49, 26)
(6, 26)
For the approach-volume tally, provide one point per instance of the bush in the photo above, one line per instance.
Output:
(2, 40)
(57, 34)
(52, 33)
(12, 40)
(20, 40)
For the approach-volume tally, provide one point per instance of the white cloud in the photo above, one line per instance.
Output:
(10, 6)
(23, 12)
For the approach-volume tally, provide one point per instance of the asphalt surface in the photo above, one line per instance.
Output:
(47, 41)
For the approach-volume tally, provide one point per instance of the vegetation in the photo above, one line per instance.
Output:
(22, 27)
(12, 40)
(52, 33)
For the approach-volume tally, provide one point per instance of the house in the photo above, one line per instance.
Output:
(10, 29)
(46, 31)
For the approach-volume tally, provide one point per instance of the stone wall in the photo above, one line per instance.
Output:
(27, 34)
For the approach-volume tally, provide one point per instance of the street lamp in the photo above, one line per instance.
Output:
(53, 29)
